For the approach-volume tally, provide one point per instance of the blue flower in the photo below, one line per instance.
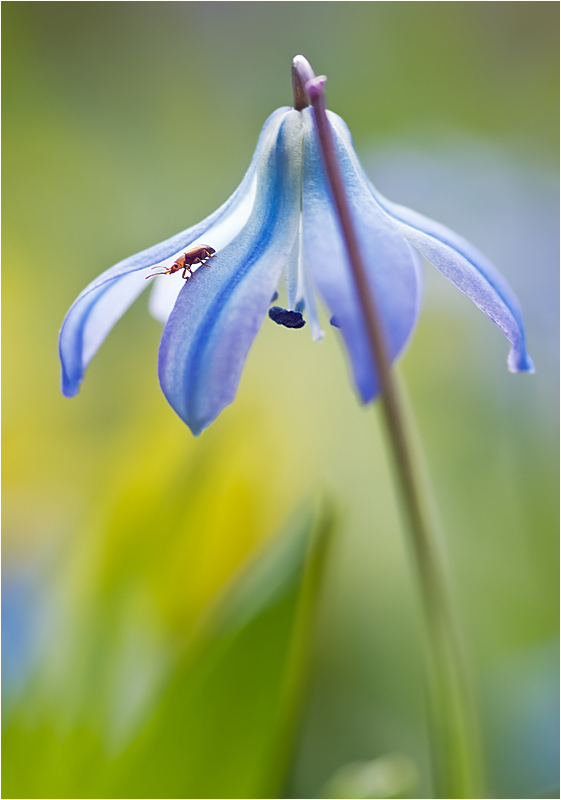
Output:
(281, 218)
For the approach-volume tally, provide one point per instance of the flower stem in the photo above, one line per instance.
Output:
(456, 762)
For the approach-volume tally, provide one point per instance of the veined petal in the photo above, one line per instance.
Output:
(458, 260)
(392, 264)
(104, 301)
(219, 311)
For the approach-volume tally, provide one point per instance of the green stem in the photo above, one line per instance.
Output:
(455, 752)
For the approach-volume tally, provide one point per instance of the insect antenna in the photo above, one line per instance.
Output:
(155, 273)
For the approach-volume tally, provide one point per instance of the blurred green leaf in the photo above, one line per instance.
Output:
(225, 721)
(390, 776)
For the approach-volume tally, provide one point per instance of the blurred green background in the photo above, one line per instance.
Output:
(235, 615)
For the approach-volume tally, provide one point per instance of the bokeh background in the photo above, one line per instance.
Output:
(236, 615)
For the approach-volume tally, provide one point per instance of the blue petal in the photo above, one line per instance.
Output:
(460, 262)
(104, 301)
(392, 264)
(219, 311)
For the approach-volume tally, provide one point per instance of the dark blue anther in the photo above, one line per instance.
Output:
(290, 319)
(333, 321)
(274, 297)
(300, 306)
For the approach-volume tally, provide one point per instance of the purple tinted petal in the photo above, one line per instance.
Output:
(392, 264)
(460, 262)
(219, 311)
(104, 301)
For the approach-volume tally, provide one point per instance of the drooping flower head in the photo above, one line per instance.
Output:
(219, 276)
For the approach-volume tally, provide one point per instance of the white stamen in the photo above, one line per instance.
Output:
(291, 273)
(306, 292)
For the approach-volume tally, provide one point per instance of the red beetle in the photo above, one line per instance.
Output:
(196, 255)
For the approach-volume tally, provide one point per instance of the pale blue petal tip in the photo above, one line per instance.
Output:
(197, 427)
(520, 362)
(70, 388)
